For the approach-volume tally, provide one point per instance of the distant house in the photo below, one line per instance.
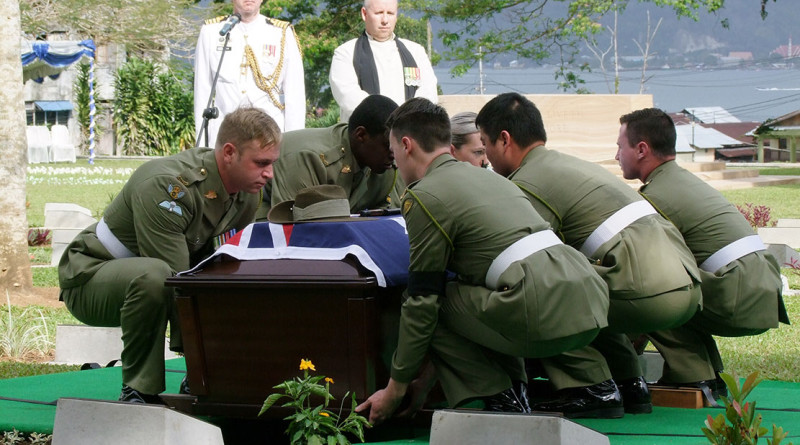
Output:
(735, 58)
(745, 56)
(709, 115)
(708, 144)
(787, 51)
(778, 138)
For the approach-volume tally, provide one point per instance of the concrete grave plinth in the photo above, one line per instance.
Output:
(480, 427)
(81, 421)
(784, 254)
(780, 235)
(652, 364)
(78, 344)
(65, 221)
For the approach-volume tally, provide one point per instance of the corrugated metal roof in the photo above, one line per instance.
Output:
(703, 138)
(711, 115)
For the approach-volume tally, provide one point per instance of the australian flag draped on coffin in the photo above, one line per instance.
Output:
(380, 245)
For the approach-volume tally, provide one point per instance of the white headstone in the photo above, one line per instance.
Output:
(466, 427)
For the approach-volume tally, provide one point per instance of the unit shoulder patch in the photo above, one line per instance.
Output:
(407, 204)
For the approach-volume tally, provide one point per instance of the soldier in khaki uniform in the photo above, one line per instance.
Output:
(170, 214)
(518, 292)
(624, 238)
(741, 279)
(354, 156)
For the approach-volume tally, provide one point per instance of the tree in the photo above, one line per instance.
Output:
(15, 267)
(541, 30)
(600, 53)
(644, 49)
(144, 27)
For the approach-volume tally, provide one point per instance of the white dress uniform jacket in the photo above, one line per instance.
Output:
(236, 87)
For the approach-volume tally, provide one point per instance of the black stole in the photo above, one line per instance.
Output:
(364, 64)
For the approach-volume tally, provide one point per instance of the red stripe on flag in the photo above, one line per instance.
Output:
(235, 239)
(287, 232)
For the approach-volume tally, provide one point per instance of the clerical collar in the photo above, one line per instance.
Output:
(373, 39)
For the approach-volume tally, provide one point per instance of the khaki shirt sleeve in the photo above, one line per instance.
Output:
(160, 219)
(419, 314)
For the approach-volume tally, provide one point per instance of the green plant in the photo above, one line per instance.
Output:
(324, 118)
(315, 424)
(38, 237)
(25, 335)
(745, 425)
(40, 254)
(153, 109)
(15, 437)
(83, 106)
(12, 437)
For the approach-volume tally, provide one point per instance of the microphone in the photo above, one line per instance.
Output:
(233, 19)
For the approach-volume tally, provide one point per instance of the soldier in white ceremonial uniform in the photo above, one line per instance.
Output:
(379, 62)
(262, 67)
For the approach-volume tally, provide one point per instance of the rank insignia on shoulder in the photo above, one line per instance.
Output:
(279, 23)
(183, 181)
(407, 204)
(211, 194)
(171, 206)
(215, 20)
(346, 169)
(175, 191)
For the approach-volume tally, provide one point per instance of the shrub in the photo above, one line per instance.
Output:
(757, 216)
(38, 237)
(745, 425)
(153, 109)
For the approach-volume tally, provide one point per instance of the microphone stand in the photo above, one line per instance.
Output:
(212, 112)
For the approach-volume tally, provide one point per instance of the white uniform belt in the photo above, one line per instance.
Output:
(113, 245)
(732, 252)
(614, 224)
(522, 248)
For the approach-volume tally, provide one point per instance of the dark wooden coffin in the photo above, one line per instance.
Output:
(247, 324)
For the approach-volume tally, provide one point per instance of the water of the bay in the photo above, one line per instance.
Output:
(750, 95)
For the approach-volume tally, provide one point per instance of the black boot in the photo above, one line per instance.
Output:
(507, 402)
(131, 395)
(522, 396)
(635, 396)
(184, 388)
(598, 401)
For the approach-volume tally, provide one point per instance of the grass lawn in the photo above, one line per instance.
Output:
(783, 200)
(89, 186)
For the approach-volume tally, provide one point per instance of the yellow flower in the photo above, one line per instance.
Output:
(306, 364)
(323, 413)
(329, 380)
